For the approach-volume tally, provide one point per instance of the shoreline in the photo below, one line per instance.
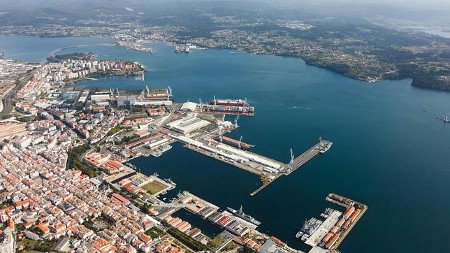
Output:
(309, 62)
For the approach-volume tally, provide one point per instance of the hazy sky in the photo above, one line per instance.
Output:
(427, 4)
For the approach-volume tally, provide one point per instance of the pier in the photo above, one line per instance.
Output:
(268, 169)
(296, 162)
(224, 159)
(306, 156)
(347, 203)
(329, 233)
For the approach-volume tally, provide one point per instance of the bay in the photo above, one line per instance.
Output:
(389, 151)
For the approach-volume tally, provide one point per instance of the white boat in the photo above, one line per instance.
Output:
(158, 152)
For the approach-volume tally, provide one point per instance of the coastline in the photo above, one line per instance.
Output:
(415, 81)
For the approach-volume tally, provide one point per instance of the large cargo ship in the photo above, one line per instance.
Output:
(240, 213)
(233, 110)
(229, 102)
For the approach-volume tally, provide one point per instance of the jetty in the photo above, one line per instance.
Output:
(296, 162)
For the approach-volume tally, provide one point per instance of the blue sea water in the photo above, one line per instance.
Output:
(389, 150)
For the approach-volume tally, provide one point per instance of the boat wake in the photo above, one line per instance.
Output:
(298, 108)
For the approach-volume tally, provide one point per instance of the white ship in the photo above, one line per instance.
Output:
(160, 151)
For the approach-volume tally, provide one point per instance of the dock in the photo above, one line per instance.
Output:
(223, 159)
(228, 110)
(300, 160)
(346, 202)
(326, 235)
(266, 168)
(321, 147)
(235, 143)
(345, 233)
(265, 184)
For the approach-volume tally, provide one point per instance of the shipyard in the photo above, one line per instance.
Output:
(103, 131)
(155, 121)
(224, 126)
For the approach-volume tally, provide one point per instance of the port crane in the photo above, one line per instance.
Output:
(169, 93)
(201, 105)
(220, 134)
(292, 156)
(141, 96)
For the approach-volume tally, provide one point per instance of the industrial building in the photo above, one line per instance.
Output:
(136, 101)
(188, 106)
(188, 124)
(271, 247)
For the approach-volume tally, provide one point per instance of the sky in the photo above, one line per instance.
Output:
(423, 4)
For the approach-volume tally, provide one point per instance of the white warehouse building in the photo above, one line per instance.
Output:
(188, 125)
